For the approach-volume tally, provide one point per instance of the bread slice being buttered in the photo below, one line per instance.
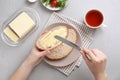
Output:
(63, 50)
(47, 40)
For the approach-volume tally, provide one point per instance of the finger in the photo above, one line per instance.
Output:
(90, 54)
(84, 56)
(93, 51)
(43, 53)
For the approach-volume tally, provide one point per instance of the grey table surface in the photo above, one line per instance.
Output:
(106, 39)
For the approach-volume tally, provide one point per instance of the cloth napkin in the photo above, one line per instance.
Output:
(85, 34)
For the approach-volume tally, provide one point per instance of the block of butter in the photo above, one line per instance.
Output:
(11, 34)
(19, 27)
(22, 24)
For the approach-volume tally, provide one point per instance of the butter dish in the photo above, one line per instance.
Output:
(20, 26)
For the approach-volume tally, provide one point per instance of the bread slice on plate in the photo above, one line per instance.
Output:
(63, 50)
(59, 50)
(47, 40)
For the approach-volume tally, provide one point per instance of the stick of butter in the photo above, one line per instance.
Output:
(10, 34)
(22, 24)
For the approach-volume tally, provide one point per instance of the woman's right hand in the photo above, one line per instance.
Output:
(96, 62)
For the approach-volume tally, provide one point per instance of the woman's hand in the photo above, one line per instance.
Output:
(35, 57)
(96, 62)
(27, 66)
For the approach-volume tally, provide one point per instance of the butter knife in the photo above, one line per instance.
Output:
(68, 42)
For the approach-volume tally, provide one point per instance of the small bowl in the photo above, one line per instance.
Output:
(53, 8)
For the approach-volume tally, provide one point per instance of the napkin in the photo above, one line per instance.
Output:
(85, 34)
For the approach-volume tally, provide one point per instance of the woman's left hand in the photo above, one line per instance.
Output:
(36, 56)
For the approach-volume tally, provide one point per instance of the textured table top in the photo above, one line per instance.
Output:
(105, 39)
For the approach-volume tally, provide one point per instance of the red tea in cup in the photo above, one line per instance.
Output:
(94, 18)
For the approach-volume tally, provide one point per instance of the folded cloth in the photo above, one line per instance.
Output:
(85, 34)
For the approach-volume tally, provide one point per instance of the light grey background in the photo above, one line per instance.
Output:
(106, 39)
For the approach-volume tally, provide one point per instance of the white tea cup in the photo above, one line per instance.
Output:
(94, 18)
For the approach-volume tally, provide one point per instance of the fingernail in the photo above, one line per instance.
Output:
(89, 58)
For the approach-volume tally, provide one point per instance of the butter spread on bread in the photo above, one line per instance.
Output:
(47, 40)
(63, 50)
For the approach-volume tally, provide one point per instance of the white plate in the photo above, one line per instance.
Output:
(53, 8)
(73, 56)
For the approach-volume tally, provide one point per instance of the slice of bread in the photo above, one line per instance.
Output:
(47, 40)
(63, 50)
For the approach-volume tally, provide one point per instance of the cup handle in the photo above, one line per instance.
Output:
(104, 25)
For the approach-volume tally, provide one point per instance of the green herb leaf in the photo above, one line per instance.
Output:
(43, 1)
(47, 2)
(61, 3)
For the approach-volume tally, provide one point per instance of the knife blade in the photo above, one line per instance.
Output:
(68, 42)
